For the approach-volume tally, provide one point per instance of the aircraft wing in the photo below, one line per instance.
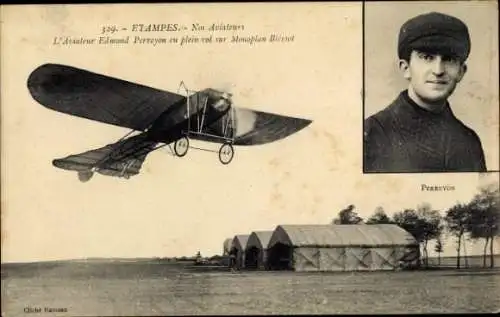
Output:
(97, 97)
(251, 127)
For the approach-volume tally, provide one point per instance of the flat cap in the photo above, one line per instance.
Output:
(434, 32)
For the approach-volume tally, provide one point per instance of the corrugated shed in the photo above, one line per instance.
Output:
(259, 239)
(342, 235)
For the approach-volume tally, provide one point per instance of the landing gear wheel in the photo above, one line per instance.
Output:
(181, 146)
(226, 153)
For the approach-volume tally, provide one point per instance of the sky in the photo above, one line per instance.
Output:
(178, 206)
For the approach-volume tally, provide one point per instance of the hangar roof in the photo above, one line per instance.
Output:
(240, 241)
(259, 239)
(342, 235)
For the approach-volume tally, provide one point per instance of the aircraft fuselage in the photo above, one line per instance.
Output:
(200, 111)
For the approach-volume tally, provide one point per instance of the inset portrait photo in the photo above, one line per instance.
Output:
(431, 88)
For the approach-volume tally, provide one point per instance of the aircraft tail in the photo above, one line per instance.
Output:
(121, 159)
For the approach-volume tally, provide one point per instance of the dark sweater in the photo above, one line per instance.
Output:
(407, 138)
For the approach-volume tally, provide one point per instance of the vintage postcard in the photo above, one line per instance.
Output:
(249, 158)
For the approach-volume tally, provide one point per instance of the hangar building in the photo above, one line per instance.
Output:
(238, 247)
(256, 250)
(226, 247)
(341, 247)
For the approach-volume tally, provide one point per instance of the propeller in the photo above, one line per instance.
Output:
(226, 90)
(225, 87)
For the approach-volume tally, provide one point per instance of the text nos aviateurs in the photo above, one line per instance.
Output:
(182, 40)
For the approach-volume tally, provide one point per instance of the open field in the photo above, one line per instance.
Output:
(470, 261)
(151, 288)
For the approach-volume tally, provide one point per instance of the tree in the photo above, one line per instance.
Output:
(429, 224)
(408, 220)
(458, 222)
(347, 216)
(379, 217)
(424, 224)
(485, 217)
(438, 248)
(464, 248)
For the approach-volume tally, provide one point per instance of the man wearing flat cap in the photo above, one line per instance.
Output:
(418, 131)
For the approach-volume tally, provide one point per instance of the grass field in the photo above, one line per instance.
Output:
(469, 261)
(149, 288)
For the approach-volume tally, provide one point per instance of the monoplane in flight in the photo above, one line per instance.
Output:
(158, 118)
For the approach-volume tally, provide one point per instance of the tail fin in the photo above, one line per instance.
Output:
(121, 159)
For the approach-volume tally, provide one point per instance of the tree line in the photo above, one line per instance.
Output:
(476, 220)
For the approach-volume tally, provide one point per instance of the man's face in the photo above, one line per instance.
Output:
(433, 77)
